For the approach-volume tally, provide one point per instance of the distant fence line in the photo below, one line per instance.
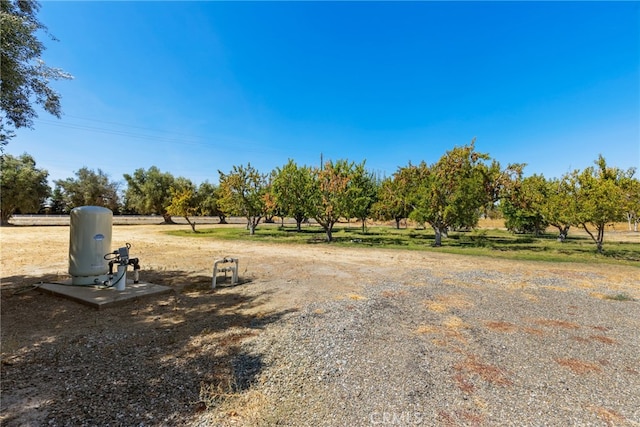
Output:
(46, 219)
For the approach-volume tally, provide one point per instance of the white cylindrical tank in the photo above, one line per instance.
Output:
(90, 241)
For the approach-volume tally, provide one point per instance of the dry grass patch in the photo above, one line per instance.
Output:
(554, 323)
(603, 339)
(489, 373)
(609, 416)
(501, 326)
(444, 303)
(578, 366)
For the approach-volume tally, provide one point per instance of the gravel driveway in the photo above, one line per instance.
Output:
(320, 336)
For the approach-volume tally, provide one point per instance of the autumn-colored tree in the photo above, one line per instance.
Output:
(184, 201)
(242, 193)
(330, 197)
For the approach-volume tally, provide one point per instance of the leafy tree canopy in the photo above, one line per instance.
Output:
(22, 186)
(292, 187)
(149, 192)
(89, 188)
(24, 77)
(242, 192)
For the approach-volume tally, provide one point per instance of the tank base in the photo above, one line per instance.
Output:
(89, 280)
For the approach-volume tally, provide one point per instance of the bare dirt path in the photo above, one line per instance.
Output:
(153, 362)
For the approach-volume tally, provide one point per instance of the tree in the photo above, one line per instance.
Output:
(599, 198)
(631, 188)
(330, 197)
(149, 192)
(521, 206)
(451, 193)
(24, 77)
(89, 188)
(396, 195)
(243, 191)
(22, 186)
(56, 202)
(557, 206)
(292, 187)
(210, 201)
(363, 192)
(184, 201)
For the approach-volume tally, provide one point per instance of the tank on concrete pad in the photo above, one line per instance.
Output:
(89, 242)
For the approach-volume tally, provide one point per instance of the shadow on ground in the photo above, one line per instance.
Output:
(155, 361)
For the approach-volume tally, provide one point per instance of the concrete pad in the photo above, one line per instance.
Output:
(100, 297)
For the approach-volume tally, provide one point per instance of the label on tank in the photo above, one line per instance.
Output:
(98, 237)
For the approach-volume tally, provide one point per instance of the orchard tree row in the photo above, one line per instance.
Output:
(450, 194)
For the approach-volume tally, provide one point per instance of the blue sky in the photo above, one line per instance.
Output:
(196, 87)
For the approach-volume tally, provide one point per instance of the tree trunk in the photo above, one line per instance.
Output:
(364, 225)
(564, 232)
(223, 219)
(328, 230)
(438, 231)
(398, 219)
(599, 239)
(167, 219)
(192, 224)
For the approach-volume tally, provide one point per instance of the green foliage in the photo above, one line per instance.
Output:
(397, 195)
(292, 188)
(149, 192)
(483, 242)
(631, 200)
(451, 193)
(521, 205)
(209, 203)
(22, 186)
(88, 188)
(600, 198)
(242, 193)
(330, 198)
(362, 193)
(620, 297)
(558, 205)
(24, 75)
(184, 201)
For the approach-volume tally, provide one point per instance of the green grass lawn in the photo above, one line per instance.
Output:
(482, 242)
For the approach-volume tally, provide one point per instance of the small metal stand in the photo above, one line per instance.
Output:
(233, 268)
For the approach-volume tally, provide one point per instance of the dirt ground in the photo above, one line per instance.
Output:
(278, 279)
